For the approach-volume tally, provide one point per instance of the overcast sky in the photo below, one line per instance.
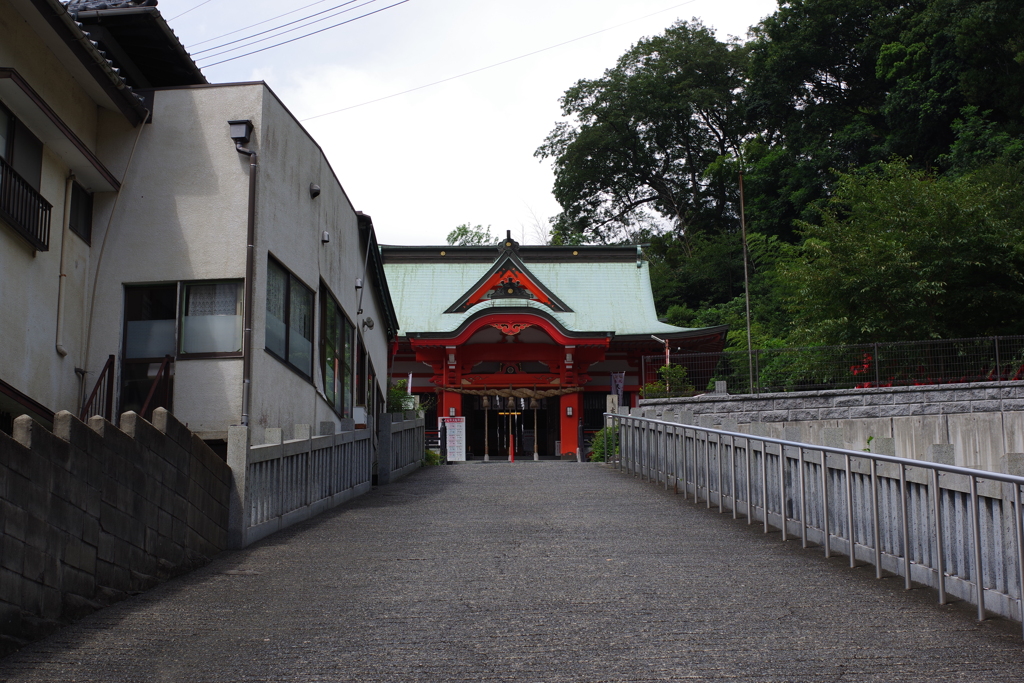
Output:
(462, 151)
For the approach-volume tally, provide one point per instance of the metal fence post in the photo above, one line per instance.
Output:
(878, 380)
(999, 374)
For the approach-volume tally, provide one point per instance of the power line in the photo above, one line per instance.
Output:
(270, 30)
(258, 23)
(292, 40)
(491, 66)
(297, 28)
(189, 10)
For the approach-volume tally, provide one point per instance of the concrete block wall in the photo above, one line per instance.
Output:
(982, 422)
(91, 513)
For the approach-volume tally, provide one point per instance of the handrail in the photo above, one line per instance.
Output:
(104, 391)
(24, 208)
(163, 374)
(909, 462)
(911, 525)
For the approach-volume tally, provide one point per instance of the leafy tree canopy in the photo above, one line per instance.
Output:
(881, 146)
(467, 235)
(634, 152)
(898, 254)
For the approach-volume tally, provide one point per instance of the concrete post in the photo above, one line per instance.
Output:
(941, 453)
(1013, 463)
(883, 445)
(385, 457)
(238, 509)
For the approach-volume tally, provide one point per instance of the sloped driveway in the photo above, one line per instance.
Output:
(543, 571)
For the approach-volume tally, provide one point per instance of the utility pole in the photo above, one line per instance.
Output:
(746, 283)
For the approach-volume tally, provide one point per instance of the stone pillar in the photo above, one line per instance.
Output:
(385, 457)
(238, 508)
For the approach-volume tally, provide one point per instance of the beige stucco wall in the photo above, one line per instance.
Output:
(289, 226)
(29, 280)
(182, 216)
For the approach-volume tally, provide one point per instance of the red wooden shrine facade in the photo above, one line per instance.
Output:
(501, 330)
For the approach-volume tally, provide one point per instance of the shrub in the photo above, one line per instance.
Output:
(672, 381)
(431, 458)
(599, 444)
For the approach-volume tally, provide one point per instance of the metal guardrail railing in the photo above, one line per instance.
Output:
(24, 208)
(161, 391)
(918, 363)
(101, 400)
(955, 529)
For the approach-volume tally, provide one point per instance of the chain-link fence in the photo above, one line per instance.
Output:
(943, 361)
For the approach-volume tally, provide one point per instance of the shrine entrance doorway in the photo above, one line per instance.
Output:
(519, 420)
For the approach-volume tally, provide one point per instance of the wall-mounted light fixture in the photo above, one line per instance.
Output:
(451, 412)
(314, 190)
(240, 131)
(325, 237)
(368, 322)
(359, 283)
(568, 411)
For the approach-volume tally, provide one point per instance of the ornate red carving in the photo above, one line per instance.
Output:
(510, 328)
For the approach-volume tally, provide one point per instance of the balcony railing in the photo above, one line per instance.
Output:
(23, 208)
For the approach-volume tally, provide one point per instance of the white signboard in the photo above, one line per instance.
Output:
(455, 437)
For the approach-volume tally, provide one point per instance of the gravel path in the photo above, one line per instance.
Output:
(543, 571)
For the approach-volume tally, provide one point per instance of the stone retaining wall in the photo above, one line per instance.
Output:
(91, 513)
(981, 422)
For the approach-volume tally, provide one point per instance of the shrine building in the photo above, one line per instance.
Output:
(526, 342)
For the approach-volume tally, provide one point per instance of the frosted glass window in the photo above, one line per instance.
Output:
(149, 339)
(212, 318)
(150, 312)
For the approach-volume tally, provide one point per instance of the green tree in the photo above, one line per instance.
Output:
(633, 155)
(898, 254)
(948, 55)
(814, 97)
(467, 235)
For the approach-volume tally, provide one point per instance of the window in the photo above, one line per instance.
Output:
(360, 370)
(149, 315)
(289, 333)
(81, 212)
(211, 318)
(336, 334)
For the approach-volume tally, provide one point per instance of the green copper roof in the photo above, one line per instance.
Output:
(604, 296)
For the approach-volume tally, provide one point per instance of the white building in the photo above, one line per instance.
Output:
(146, 254)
